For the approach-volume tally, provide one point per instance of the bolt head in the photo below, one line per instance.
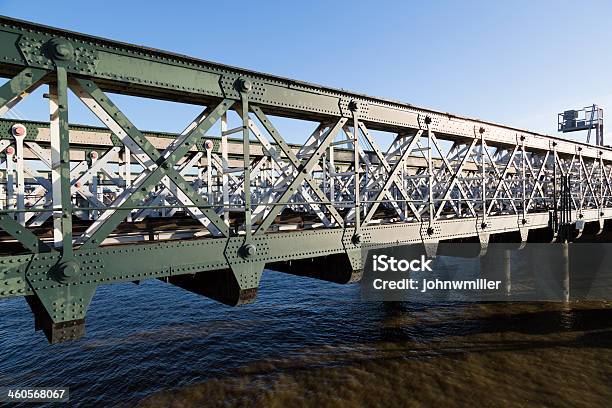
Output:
(208, 144)
(19, 130)
(430, 230)
(10, 150)
(69, 269)
(61, 49)
(483, 225)
(93, 155)
(248, 250)
(244, 85)
(356, 239)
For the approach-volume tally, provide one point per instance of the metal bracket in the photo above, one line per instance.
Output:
(232, 85)
(46, 51)
(6, 126)
(348, 105)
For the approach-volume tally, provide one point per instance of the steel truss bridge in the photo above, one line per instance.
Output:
(209, 208)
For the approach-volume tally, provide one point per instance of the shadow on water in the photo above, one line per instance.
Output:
(409, 334)
(430, 335)
(558, 318)
(306, 343)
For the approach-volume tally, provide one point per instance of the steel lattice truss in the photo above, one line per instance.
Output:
(84, 206)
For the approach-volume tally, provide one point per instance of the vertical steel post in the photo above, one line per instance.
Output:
(580, 191)
(209, 182)
(225, 166)
(555, 204)
(365, 184)
(524, 177)
(332, 174)
(60, 159)
(601, 169)
(325, 169)
(246, 163)
(93, 185)
(10, 179)
(403, 184)
(127, 172)
(430, 178)
(20, 178)
(357, 202)
(484, 177)
(273, 173)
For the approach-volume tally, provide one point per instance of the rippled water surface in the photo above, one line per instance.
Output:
(311, 343)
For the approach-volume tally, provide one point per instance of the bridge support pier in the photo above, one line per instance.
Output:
(336, 268)
(60, 312)
(55, 332)
(233, 286)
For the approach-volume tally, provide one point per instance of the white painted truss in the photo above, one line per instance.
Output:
(340, 177)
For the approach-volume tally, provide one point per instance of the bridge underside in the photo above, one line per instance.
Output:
(210, 207)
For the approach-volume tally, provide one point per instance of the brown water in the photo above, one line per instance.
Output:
(491, 354)
(315, 344)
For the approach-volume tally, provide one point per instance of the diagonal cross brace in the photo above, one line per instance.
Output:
(303, 171)
(502, 180)
(165, 192)
(295, 162)
(537, 184)
(79, 174)
(382, 169)
(434, 139)
(455, 178)
(314, 138)
(19, 87)
(10, 94)
(146, 183)
(505, 186)
(392, 177)
(21, 234)
(159, 167)
(587, 176)
(287, 171)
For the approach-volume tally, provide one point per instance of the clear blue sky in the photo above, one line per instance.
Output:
(514, 62)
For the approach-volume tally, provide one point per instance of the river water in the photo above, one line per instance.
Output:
(311, 343)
